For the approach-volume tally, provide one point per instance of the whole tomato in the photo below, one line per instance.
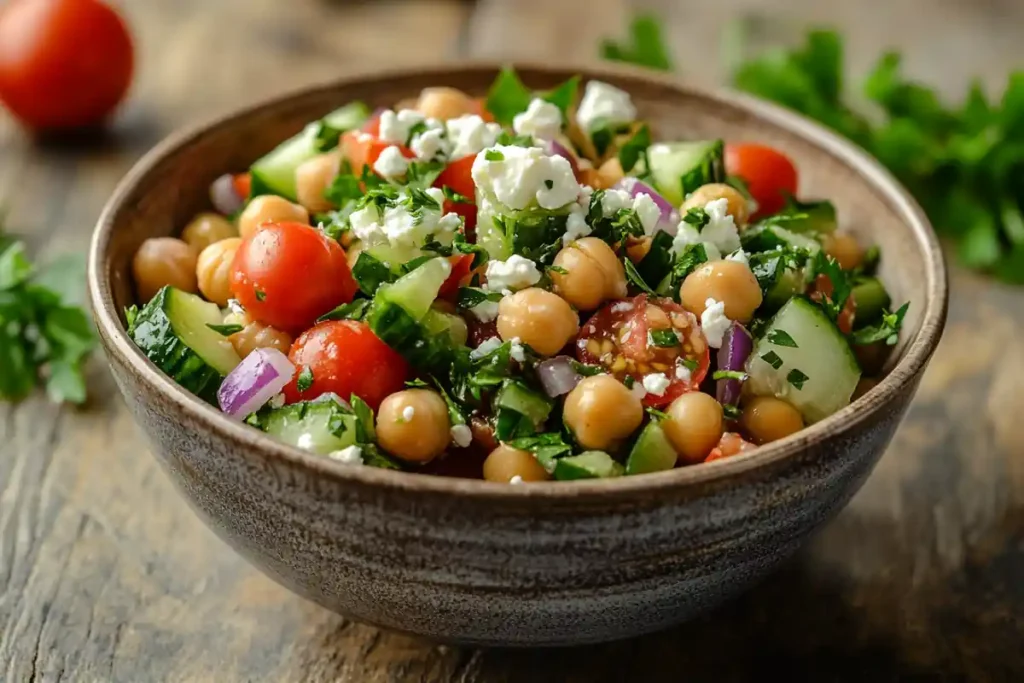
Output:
(769, 174)
(63, 63)
(287, 275)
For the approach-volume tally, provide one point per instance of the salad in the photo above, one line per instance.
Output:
(524, 287)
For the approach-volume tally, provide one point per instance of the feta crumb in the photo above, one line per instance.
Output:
(235, 307)
(541, 120)
(739, 256)
(515, 480)
(576, 226)
(683, 373)
(485, 347)
(470, 134)
(721, 228)
(277, 400)
(647, 211)
(656, 383)
(350, 455)
(521, 177)
(429, 144)
(518, 272)
(638, 390)
(622, 307)
(305, 441)
(614, 201)
(602, 105)
(395, 127)
(714, 322)
(401, 226)
(391, 163)
(517, 352)
(485, 311)
(462, 435)
(408, 413)
(686, 234)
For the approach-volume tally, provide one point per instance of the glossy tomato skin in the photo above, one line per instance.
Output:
(362, 149)
(461, 267)
(626, 325)
(63, 63)
(458, 175)
(769, 174)
(345, 357)
(286, 275)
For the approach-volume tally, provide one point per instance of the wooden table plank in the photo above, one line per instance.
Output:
(105, 575)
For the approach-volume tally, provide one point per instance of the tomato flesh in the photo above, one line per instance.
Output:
(729, 445)
(363, 149)
(286, 275)
(345, 357)
(461, 266)
(769, 174)
(458, 176)
(633, 339)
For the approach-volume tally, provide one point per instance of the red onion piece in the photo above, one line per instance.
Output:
(557, 376)
(736, 348)
(555, 148)
(258, 378)
(224, 196)
(669, 216)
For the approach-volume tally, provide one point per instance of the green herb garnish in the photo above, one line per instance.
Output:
(772, 359)
(781, 338)
(635, 149)
(305, 379)
(665, 339)
(644, 46)
(797, 378)
(226, 330)
(886, 330)
(729, 374)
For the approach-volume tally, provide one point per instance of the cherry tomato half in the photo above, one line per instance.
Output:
(458, 176)
(362, 149)
(461, 266)
(345, 357)
(63, 63)
(286, 275)
(639, 337)
(769, 174)
(729, 445)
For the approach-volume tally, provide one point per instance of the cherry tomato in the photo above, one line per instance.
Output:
(362, 149)
(480, 104)
(729, 445)
(633, 338)
(458, 175)
(63, 63)
(461, 266)
(242, 183)
(286, 275)
(769, 174)
(822, 287)
(345, 357)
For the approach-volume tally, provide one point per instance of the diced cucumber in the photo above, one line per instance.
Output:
(816, 218)
(318, 426)
(416, 290)
(817, 375)
(781, 276)
(503, 231)
(871, 298)
(515, 395)
(447, 324)
(588, 465)
(652, 452)
(172, 331)
(767, 236)
(679, 168)
(274, 173)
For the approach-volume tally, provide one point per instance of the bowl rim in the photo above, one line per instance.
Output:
(115, 339)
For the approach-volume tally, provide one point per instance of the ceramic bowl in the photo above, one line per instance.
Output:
(477, 562)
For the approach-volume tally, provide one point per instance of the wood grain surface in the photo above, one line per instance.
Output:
(106, 575)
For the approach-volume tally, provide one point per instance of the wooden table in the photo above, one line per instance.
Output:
(105, 575)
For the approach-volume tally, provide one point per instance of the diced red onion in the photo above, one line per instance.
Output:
(557, 376)
(258, 378)
(224, 196)
(669, 216)
(736, 348)
(555, 148)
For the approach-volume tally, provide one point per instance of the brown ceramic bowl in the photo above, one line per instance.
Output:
(478, 562)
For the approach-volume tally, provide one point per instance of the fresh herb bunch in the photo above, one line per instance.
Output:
(45, 336)
(964, 164)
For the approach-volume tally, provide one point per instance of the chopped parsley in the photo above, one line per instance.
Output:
(354, 310)
(697, 217)
(494, 155)
(226, 330)
(305, 379)
(633, 276)
(832, 303)
(886, 330)
(797, 378)
(772, 359)
(454, 197)
(635, 149)
(781, 338)
(731, 411)
(729, 374)
(550, 184)
(665, 339)
(260, 294)
(689, 363)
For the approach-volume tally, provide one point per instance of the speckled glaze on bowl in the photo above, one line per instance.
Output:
(478, 562)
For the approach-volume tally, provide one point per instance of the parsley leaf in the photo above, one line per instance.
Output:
(226, 330)
(886, 330)
(644, 47)
(665, 339)
(697, 217)
(508, 96)
(354, 310)
(305, 379)
(772, 359)
(636, 279)
(781, 338)
(454, 197)
(797, 378)
(833, 303)
(494, 155)
(635, 148)
(729, 374)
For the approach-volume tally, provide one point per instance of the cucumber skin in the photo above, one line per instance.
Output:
(706, 165)
(582, 466)
(652, 452)
(152, 332)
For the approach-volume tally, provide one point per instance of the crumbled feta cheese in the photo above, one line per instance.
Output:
(470, 134)
(277, 400)
(576, 225)
(614, 201)
(516, 352)
(395, 127)
(686, 234)
(647, 211)
(408, 413)
(235, 307)
(739, 256)
(485, 347)
(683, 373)
(714, 323)
(350, 455)
(391, 163)
(515, 480)
(485, 311)
(721, 228)
(462, 435)
(519, 177)
(305, 441)
(638, 390)
(541, 120)
(604, 104)
(622, 307)
(429, 144)
(656, 383)
(401, 225)
(518, 272)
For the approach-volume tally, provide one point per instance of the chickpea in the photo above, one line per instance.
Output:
(638, 248)
(445, 103)
(213, 270)
(738, 207)
(413, 425)
(844, 248)
(505, 462)
(164, 261)
(269, 207)
(729, 282)
(694, 425)
(207, 228)
(255, 335)
(601, 412)
(314, 176)
(539, 318)
(593, 274)
(611, 171)
(766, 419)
